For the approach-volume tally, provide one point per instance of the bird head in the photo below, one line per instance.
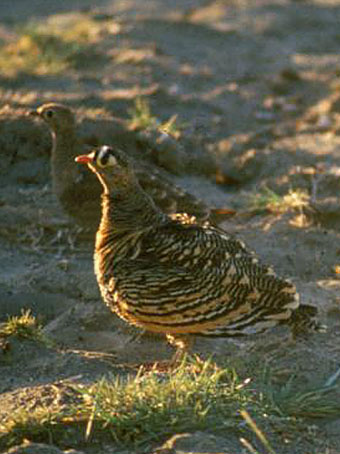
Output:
(111, 165)
(57, 116)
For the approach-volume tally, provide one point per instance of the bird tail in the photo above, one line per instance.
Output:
(301, 321)
(304, 320)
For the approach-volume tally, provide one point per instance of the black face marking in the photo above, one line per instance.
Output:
(103, 154)
(105, 158)
(49, 113)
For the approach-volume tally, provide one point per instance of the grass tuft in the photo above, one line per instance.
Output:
(38, 424)
(311, 402)
(147, 407)
(143, 408)
(140, 115)
(39, 52)
(24, 326)
(269, 200)
(171, 127)
(51, 47)
(151, 405)
(141, 118)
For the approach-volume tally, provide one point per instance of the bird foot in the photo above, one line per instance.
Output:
(179, 359)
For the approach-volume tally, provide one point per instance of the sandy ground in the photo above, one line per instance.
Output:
(258, 85)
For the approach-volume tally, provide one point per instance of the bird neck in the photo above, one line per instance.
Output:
(129, 210)
(64, 139)
(64, 150)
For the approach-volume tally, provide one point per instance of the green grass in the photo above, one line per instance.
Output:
(171, 127)
(141, 118)
(317, 402)
(37, 51)
(269, 200)
(24, 326)
(51, 47)
(141, 409)
(146, 408)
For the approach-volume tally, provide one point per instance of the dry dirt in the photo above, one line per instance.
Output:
(257, 84)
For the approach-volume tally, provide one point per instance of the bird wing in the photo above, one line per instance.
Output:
(167, 195)
(199, 280)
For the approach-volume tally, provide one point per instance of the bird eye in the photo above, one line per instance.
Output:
(49, 113)
(103, 160)
(105, 157)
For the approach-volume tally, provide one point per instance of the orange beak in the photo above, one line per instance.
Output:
(84, 158)
(33, 113)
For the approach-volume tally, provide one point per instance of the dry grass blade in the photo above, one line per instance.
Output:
(257, 431)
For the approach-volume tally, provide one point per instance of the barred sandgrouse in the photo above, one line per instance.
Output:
(168, 274)
(79, 191)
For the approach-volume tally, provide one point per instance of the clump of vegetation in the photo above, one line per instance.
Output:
(150, 406)
(141, 118)
(37, 52)
(269, 200)
(24, 326)
(50, 47)
(140, 115)
(317, 402)
(143, 408)
(171, 127)
(147, 407)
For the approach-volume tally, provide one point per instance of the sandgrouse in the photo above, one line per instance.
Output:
(168, 274)
(79, 190)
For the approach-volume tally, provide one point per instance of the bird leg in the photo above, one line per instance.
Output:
(183, 343)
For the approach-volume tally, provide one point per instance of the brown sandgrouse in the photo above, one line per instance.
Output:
(79, 190)
(168, 274)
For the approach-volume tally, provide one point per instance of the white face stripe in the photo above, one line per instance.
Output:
(112, 161)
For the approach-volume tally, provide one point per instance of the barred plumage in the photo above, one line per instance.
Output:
(79, 191)
(170, 275)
